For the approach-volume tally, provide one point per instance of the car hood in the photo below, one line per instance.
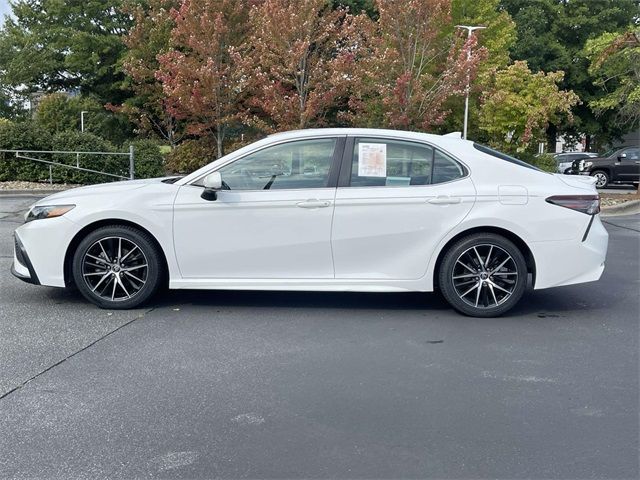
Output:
(113, 188)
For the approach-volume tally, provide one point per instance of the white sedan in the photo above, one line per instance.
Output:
(326, 210)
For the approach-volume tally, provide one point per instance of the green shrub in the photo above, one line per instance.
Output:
(149, 160)
(30, 135)
(545, 162)
(86, 142)
(23, 136)
(190, 155)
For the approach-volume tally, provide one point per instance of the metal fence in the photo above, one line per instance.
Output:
(28, 155)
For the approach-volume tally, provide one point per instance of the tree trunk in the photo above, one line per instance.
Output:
(552, 134)
(587, 143)
(219, 142)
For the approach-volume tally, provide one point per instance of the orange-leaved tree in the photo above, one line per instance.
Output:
(200, 74)
(299, 62)
(146, 40)
(412, 66)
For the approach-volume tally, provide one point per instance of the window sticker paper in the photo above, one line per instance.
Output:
(372, 159)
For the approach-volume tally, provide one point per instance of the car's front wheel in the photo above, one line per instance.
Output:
(483, 275)
(117, 267)
(602, 179)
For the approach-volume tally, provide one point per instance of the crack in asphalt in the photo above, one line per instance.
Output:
(621, 226)
(51, 367)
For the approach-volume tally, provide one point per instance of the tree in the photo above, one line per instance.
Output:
(411, 67)
(200, 74)
(497, 38)
(552, 35)
(54, 45)
(615, 67)
(148, 38)
(8, 107)
(357, 6)
(297, 62)
(520, 104)
(59, 112)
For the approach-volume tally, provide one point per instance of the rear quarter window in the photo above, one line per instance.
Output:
(504, 156)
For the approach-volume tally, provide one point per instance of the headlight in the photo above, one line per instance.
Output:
(47, 211)
(586, 165)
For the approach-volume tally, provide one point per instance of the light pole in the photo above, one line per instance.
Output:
(82, 120)
(469, 30)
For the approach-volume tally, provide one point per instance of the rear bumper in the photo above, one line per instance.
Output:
(574, 261)
(22, 267)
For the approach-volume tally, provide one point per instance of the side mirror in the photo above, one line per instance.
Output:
(621, 156)
(212, 183)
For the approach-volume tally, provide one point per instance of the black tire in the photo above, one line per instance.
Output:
(602, 178)
(461, 270)
(124, 253)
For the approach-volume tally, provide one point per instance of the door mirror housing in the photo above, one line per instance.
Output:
(212, 183)
(621, 156)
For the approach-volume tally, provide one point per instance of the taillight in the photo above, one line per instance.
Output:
(589, 204)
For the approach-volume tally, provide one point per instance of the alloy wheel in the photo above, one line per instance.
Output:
(601, 179)
(485, 276)
(115, 268)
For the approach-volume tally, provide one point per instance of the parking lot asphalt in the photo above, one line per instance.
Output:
(289, 385)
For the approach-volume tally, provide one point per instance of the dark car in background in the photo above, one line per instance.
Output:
(564, 160)
(620, 165)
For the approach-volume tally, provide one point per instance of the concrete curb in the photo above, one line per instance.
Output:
(627, 208)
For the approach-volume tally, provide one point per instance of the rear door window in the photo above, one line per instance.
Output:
(392, 163)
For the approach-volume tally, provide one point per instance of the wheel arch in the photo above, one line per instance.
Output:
(113, 222)
(509, 235)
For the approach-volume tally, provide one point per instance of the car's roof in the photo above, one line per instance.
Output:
(312, 132)
(451, 141)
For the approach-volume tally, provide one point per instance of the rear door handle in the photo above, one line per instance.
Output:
(313, 204)
(445, 200)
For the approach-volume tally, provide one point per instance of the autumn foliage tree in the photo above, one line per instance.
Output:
(520, 104)
(410, 67)
(147, 39)
(200, 74)
(299, 54)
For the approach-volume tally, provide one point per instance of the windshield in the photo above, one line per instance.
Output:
(609, 152)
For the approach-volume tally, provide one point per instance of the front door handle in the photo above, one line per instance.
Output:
(445, 200)
(313, 204)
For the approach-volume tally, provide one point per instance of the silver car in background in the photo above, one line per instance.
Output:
(565, 160)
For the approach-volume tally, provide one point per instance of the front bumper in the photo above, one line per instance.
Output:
(22, 267)
(43, 244)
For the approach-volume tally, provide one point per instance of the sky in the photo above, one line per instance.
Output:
(4, 8)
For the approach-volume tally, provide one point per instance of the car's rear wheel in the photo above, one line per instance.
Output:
(483, 275)
(117, 267)
(602, 179)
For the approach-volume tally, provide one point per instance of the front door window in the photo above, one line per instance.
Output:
(293, 165)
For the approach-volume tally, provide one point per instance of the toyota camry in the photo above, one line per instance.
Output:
(326, 210)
